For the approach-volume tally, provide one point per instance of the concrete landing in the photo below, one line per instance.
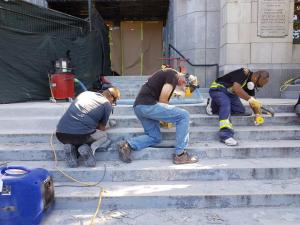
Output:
(230, 216)
(180, 194)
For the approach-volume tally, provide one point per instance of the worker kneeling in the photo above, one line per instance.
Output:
(225, 100)
(81, 128)
(152, 106)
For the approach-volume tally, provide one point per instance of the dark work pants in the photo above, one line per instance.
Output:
(224, 104)
(74, 139)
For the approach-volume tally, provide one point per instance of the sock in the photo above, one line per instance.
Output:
(181, 154)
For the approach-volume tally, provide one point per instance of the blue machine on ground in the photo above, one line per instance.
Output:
(25, 195)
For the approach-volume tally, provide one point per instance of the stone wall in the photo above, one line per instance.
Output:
(193, 27)
(243, 43)
(231, 33)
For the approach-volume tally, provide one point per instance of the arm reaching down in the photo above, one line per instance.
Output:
(165, 93)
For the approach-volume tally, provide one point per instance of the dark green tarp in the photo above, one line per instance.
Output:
(25, 57)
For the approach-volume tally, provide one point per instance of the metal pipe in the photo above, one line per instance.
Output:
(192, 64)
(90, 13)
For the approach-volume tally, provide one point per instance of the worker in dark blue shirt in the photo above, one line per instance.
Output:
(225, 93)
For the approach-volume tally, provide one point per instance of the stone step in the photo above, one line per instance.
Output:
(165, 170)
(290, 94)
(197, 134)
(178, 194)
(125, 78)
(50, 122)
(293, 87)
(131, 94)
(280, 215)
(205, 133)
(204, 150)
(57, 109)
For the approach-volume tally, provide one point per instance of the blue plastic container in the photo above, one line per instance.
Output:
(25, 196)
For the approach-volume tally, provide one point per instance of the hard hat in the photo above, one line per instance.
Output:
(115, 93)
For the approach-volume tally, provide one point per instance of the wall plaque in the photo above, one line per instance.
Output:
(273, 18)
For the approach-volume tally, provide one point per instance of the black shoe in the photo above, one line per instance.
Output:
(87, 154)
(297, 109)
(71, 155)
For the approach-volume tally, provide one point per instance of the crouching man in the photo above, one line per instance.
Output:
(225, 93)
(81, 128)
(152, 106)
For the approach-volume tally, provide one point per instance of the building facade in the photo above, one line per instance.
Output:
(257, 34)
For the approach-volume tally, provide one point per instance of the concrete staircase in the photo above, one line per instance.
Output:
(292, 92)
(130, 85)
(263, 171)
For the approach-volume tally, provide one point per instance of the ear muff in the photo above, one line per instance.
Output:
(191, 82)
(250, 85)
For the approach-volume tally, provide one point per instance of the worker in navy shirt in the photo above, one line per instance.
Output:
(225, 93)
(81, 128)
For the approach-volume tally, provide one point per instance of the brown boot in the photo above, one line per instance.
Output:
(185, 158)
(124, 152)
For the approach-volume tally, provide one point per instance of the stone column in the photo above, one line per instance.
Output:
(193, 28)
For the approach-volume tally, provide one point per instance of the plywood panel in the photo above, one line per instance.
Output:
(131, 47)
(152, 46)
(115, 49)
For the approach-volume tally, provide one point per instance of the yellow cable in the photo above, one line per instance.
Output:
(285, 85)
(98, 207)
(77, 181)
(65, 174)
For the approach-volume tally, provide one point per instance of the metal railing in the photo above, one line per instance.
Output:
(171, 47)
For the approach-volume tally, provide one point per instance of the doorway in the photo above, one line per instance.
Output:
(136, 47)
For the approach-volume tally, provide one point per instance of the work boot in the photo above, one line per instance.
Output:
(208, 107)
(297, 109)
(125, 152)
(230, 142)
(87, 154)
(71, 155)
(184, 158)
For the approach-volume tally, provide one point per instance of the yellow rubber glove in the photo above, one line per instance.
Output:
(254, 104)
(188, 92)
(166, 124)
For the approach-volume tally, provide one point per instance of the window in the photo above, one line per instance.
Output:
(296, 20)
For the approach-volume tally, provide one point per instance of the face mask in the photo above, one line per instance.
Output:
(250, 85)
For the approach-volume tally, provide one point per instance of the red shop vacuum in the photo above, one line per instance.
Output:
(62, 81)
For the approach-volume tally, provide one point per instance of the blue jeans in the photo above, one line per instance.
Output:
(150, 115)
(224, 103)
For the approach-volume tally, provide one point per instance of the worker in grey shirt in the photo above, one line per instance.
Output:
(81, 128)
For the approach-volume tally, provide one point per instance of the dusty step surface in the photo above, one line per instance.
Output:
(197, 134)
(119, 121)
(57, 109)
(165, 170)
(176, 194)
(231, 216)
(205, 149)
